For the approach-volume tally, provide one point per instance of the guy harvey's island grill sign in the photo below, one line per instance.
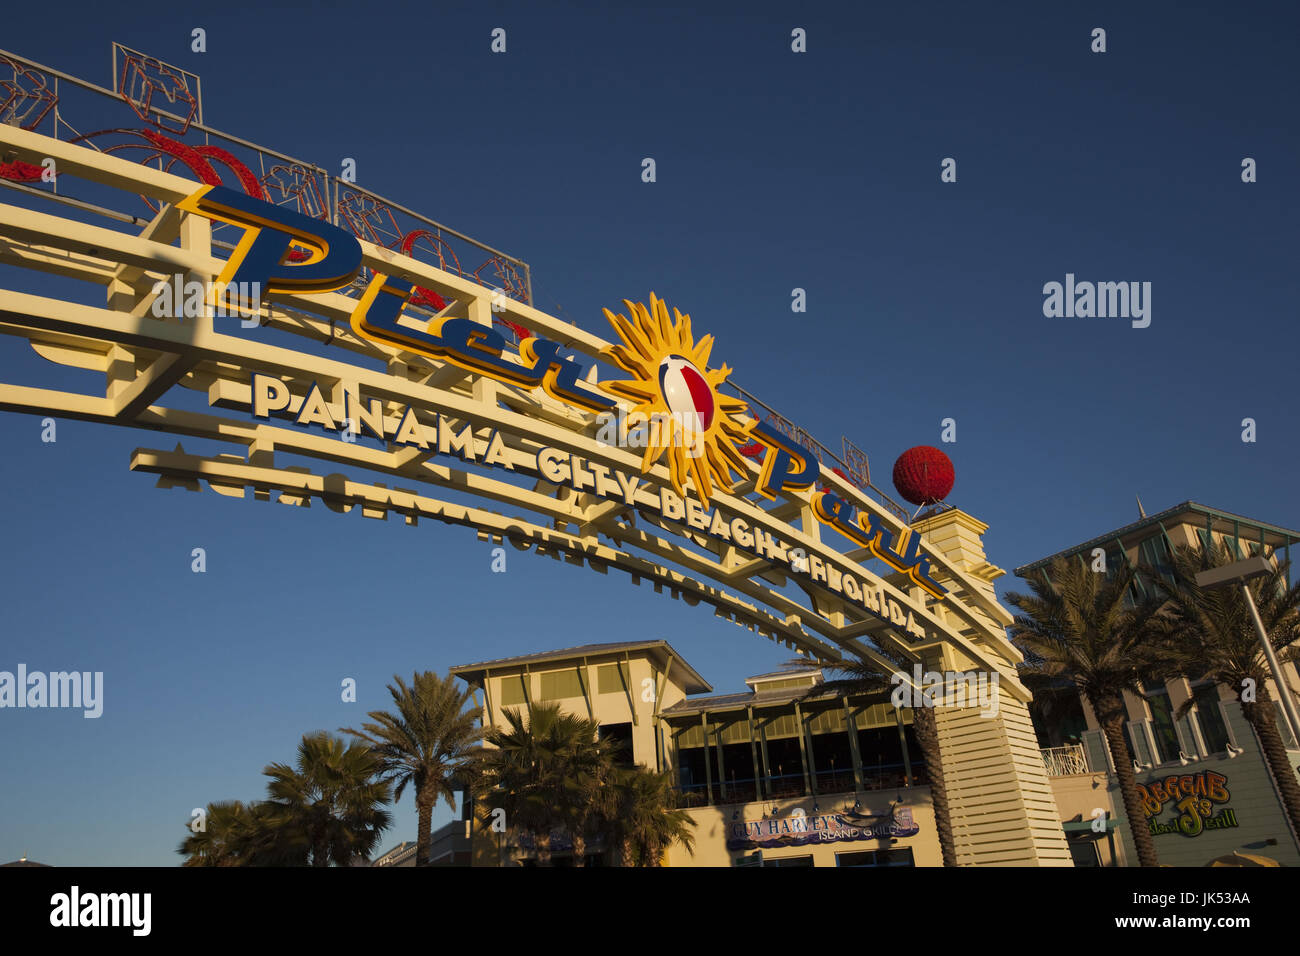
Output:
(798, 829)
(695, 427)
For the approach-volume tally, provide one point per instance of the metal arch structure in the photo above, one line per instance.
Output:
(147, 358)
(143, 357)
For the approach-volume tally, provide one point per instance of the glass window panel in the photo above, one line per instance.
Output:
(861, 858)
(1210, 717)
(1138, 747)
(1162, 726)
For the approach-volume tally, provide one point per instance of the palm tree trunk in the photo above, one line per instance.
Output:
(1262, 716)
(927, 737)
(1112, 725)
(627, 857)
(580, 843)
(544, 848)
(424, 830)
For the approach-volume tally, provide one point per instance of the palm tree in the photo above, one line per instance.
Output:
(332, 799)
(219, 842)
(536, 765)
(239, 834)
(431, 743)
(862, 677)
(586, 795)
(1210, 635)
(646, 819)
(1075, 625)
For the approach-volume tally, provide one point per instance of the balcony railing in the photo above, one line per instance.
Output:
(1063, 761)
(836, 781)
(787, 785)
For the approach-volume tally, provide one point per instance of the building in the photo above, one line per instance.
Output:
(805, 777)
(451, 847)
(772, 774)
(401, 855)
(1210, 753)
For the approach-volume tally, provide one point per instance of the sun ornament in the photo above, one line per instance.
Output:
(675, 397)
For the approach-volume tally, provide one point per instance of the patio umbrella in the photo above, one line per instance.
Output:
(1243, 859)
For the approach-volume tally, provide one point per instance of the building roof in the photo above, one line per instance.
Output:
(786, 672)
(687, 676)
(1274, 535)
(397, 855)
(763, 698)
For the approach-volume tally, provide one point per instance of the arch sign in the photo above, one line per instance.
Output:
(652, 470)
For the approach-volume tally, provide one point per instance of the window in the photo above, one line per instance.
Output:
(620, 736)
(915, 755)
(901, 856)
(609, 681)
(785, 762)
(1154, 551)
(692, 774)
(789, 861)
(1207, 542)
(512, 691)
(557, 685)
(893, 857)
(738, 762)
(1137, 743)
(1115, 559)
(1228, 542)
(1057, 713)
(831, 755)
(1084, 853)
(881, 751)
(785, 684)
(1162, 725)
(1213, 728)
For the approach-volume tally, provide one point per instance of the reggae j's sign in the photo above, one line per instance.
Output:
(677, 412)
(1198, 800)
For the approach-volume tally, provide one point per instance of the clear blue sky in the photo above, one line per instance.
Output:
(775, 171)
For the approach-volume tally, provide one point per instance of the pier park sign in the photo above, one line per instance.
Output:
(655, 470)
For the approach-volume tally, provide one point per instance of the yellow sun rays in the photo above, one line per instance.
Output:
(704, 456)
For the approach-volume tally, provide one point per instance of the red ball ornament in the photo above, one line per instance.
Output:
(924, 475)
